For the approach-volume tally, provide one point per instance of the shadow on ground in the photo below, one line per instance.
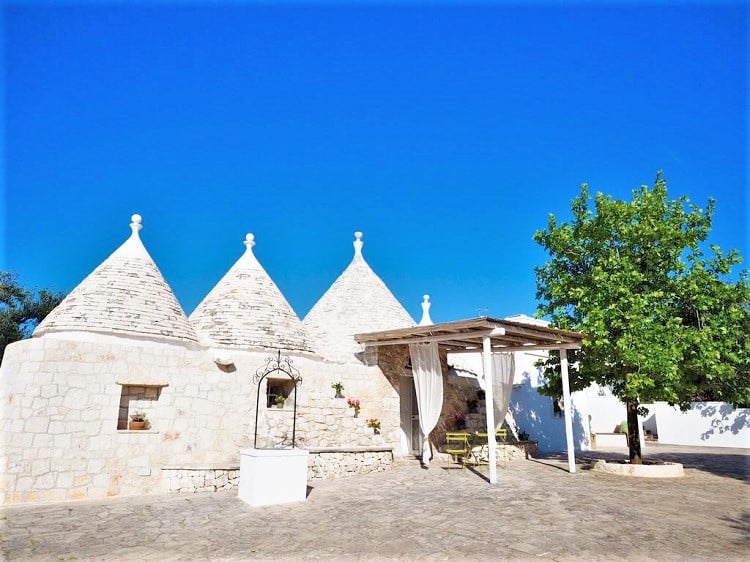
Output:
(731, 465)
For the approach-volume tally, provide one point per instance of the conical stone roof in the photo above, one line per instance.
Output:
(357, 302)
(125, 295)
(246, 310)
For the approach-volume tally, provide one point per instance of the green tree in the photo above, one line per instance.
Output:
(662, 322)
(21, 309)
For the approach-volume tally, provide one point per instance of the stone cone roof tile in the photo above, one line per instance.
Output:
(246, 310)
(357, 302)
(125, 295)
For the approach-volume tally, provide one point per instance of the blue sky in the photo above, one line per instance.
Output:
(446, 133)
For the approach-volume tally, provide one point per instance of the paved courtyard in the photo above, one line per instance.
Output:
(536, 511)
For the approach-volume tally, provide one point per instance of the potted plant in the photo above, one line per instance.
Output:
(338, 387)
(279, 401)
(137, 421)
(374, 423)
(354, 403)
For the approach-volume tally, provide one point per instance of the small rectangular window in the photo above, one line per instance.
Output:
(279, 393)
(137, 399)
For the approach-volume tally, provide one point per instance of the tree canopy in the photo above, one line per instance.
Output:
(662, 320)
(21, 309)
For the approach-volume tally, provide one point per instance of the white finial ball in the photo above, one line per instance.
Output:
(358, 235)
(136, 218)
(426, 297)
(249, 237)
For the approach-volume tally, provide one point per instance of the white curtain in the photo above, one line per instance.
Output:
(428, 383)
(502, 384)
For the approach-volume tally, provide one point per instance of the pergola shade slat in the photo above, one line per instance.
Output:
(468, 335)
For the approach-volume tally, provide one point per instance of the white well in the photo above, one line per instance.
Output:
(273, 476)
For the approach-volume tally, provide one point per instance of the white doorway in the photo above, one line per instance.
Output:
(411, 435)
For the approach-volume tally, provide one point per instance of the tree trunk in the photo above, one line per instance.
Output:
(634, 432)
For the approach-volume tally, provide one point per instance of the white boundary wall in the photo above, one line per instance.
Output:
(706, 424)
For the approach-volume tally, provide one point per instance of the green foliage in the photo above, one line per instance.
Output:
(661, 321)
(21, 310)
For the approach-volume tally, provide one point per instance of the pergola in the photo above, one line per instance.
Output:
(486, 335)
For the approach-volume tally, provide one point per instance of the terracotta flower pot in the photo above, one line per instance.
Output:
(137, 425)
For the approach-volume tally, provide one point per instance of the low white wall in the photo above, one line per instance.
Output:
(708, 424)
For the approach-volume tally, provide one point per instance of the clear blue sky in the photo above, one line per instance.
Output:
(446, 133)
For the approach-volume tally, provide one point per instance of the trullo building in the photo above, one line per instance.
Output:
(120, 345)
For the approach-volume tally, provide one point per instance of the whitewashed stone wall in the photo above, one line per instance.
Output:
(60, 413)
(60, 406)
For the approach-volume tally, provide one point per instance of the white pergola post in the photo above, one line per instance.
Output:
(566, 407)
(489, 376)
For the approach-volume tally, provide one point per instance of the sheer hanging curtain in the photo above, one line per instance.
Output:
(428, 383)
(502, 384)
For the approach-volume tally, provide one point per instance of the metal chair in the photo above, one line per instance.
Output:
(458, 446)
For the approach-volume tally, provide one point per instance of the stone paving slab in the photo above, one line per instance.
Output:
(536, 511)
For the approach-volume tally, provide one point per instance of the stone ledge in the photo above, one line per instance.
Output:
(206, 466)
(361, 449)
(129, 431)
(138, 383)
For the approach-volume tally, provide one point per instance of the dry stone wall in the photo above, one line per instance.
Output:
(199, 479)
(333, 464)
(64, 403)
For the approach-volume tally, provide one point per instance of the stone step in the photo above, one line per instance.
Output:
(408, 460)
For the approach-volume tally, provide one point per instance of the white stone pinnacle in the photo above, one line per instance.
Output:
(426, 320)
(133, 247)
(248, 259)
(358, 244)
(135, 223)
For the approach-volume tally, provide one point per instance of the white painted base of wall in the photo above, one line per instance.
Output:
(273, 476)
